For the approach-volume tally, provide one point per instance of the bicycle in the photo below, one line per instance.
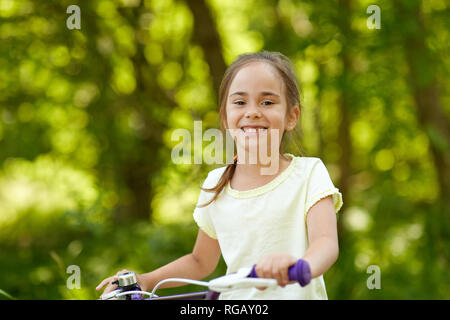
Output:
(128, 289)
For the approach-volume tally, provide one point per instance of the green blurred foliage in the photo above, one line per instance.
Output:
(86, 118)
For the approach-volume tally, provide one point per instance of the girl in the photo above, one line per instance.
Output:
(253, 217)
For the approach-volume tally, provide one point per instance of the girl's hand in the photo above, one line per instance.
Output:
(111, 287)
(275, 266)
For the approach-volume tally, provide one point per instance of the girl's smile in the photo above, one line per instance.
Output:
(250, 131)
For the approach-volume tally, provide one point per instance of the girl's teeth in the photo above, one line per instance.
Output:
(254, 130)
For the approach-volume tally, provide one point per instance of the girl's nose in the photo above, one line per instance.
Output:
(252, 112)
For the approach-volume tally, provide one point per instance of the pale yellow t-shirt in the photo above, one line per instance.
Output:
(272, 218)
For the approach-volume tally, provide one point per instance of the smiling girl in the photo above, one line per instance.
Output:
(249, 214)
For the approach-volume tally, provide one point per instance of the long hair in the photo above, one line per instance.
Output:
(283, 66)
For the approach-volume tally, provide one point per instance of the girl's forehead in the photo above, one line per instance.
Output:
(257, 75)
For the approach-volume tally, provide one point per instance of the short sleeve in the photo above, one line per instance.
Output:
(202, 214)
(320, 186)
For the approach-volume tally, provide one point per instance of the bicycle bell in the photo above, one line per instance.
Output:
(127, 279)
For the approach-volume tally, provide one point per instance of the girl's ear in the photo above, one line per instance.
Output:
(292, 117)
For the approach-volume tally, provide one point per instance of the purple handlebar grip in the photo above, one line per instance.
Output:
(253, 272)
(137, 296)
(299, 272)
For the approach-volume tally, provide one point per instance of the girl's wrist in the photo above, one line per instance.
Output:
(144, 281)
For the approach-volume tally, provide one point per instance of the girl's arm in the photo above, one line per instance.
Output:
(197, 265)
(323, 248)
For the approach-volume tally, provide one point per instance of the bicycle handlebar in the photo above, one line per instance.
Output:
(299, 272)
(129, 288)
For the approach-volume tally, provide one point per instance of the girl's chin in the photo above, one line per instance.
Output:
(251, 157)
(253, 147)
(252, 142)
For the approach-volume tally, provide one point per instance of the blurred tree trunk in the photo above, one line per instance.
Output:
(137, 172)
(342, 19)
(318, 111)
(128, 175)
(423, 81)
(344, 100)
(206, 35)
(425, 89)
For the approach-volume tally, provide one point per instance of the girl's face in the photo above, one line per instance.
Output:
(257, 109)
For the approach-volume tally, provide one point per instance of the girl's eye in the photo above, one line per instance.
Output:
(267, 103)
(239, 102)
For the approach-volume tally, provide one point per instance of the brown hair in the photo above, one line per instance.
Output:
(282, 64)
